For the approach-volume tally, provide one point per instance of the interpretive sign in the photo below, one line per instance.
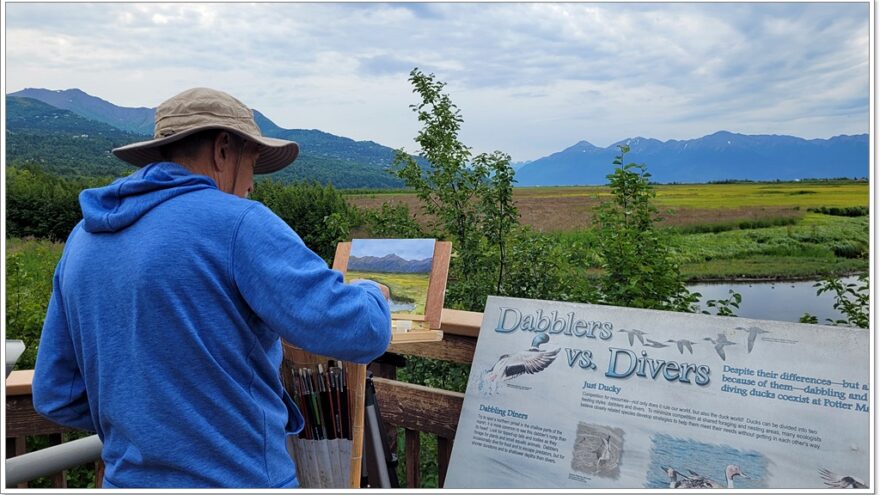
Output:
(564, 395)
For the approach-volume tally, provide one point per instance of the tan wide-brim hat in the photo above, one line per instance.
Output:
(200, 109)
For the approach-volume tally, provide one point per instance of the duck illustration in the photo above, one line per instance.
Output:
(683, 344)
(679, 480)
(654, 344)
(730, 472)
(834, 480)
(719, 344)
(510, 366)
(633, 334)
(753, 334)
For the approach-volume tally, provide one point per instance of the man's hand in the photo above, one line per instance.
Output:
(383, 288)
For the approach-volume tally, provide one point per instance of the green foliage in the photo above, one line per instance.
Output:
(542, 268)
(77, 477)
(471, 199)
(816, 246)
(640, 269)
(852, 249)
(808, 318)
(848, 211)
(756, 223)
(318, 214)
(852, 299)
(726, 306)
(429, 469)
(392, 221)
(339, 172)
(29, 269)
(42, 205)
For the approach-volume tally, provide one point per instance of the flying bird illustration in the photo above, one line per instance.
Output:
(683, 344)
(834, 480)
(634, 333)
(753, 334)
(654, 343)
(719, 344)
(510, 366)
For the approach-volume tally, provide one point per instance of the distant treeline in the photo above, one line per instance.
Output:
(46, 206)
(779, 181)
(42, 205)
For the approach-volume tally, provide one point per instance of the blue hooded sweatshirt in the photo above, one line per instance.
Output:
(163, 331)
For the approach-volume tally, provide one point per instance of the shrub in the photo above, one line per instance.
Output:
(43, 205)
(30, 265)
(853, 300)
(848, 211)
(756, 223)
(318, 214)
(852, 249)
(392, 221)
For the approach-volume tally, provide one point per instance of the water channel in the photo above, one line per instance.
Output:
(777, 300)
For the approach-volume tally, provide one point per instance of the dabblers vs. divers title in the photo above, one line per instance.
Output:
(622, 363)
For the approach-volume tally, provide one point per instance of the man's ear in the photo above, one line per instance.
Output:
(222, 145)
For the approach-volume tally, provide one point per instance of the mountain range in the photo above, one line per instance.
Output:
(70, 132)
(390, 263)
(716, 157)
(324, 157)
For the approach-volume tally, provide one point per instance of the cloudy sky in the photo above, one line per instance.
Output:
(529, 79)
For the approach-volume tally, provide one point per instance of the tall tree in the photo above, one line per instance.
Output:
(640, 269)
(470, 198)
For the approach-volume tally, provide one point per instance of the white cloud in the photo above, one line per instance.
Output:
(530, 79)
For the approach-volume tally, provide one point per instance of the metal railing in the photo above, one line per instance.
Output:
(46, 462)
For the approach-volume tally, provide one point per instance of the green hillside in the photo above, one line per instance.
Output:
(72, 145)
(61, 142)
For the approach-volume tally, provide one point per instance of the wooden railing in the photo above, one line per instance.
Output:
(414, 408)
(23, 422)
(419, 409)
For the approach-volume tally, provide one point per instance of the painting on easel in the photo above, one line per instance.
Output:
(403, 265)
(415, 272)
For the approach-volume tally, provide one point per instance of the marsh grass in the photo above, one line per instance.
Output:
(561, 209)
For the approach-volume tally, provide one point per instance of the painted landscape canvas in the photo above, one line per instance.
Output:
(403, 265)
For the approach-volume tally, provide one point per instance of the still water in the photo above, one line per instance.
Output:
(783, 301)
